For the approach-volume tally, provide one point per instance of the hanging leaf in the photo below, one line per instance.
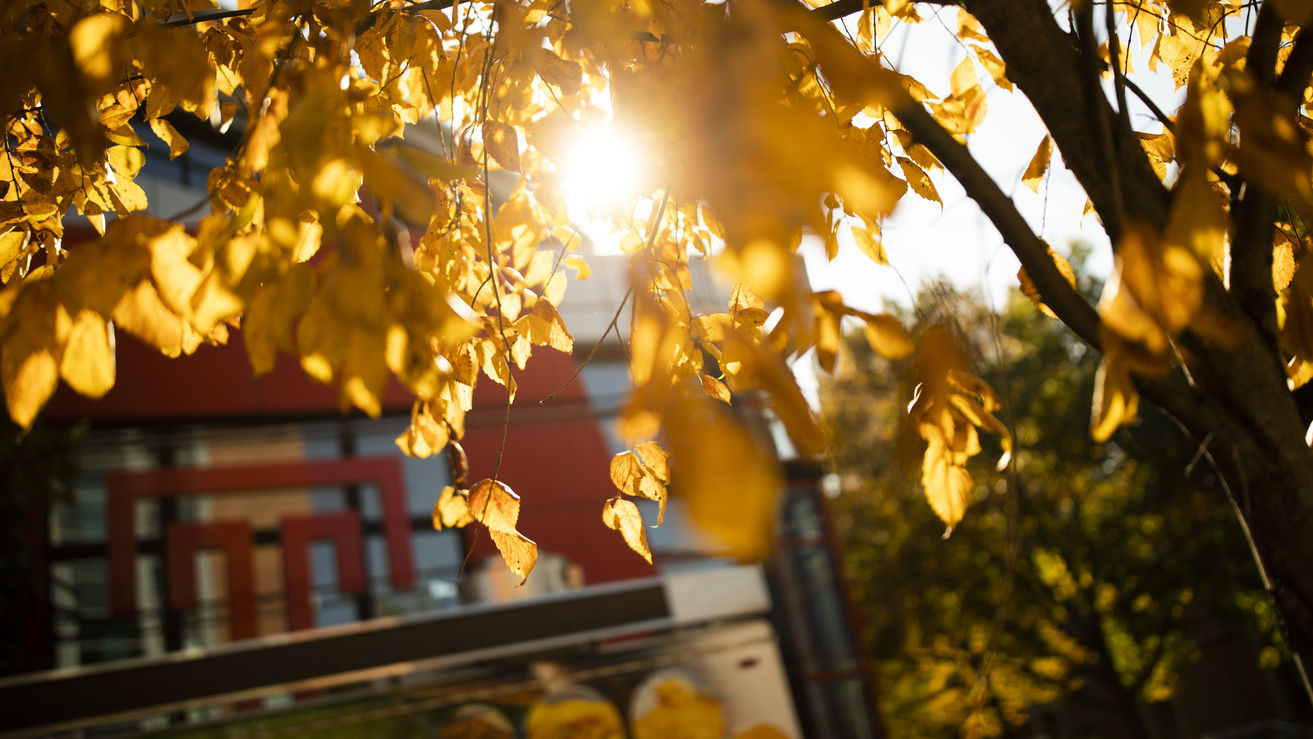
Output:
(1028, 286)
(503, 144)
(623, 516)
(1039, 164)
(497, 507)
(452, 511)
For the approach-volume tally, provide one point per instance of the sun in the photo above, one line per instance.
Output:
(604, 174)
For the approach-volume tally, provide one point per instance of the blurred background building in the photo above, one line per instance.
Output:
(237, 555)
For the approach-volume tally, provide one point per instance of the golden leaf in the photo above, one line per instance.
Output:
(547, 328)
(169, 135)
(715, 389)
(887, 336)
(947, 483)
(963, 77)
(632, 475)
(94, 41)
(1039, 164)
(995, 66)
(1028, 286)
(88, 362)
(870, 244)
(919, 180)
(727, 477)
(143, 314)
(497, 507)
(452, 511)
(1115, 399)
(655, 459)
(503, 144)
(29, 380)
(126, 160)
(582, 270)
(623, 516)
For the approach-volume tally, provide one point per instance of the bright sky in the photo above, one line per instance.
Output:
(958, 242)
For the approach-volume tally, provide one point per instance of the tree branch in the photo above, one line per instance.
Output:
(1264, 44)
(1254, 210)
(841, 8)
(1295, 75)
(1042, 62)
(1094, 101)
(1032, 252)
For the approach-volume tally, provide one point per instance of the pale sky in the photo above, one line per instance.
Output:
(958, 242)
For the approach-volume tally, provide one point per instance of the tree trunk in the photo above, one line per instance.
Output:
(1236, 404)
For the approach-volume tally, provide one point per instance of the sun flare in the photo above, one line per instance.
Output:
(604, 173)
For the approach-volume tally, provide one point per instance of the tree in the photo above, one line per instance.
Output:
(761, 121)
(1082, 585)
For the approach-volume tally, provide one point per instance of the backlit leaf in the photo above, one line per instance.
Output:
(729, 481)
(497, 507)
(870, 244)
(88, 362)
(1039, 164)
(503, 144)
(919, 180)
(715, 389)
(170, 136)
(623, 516)
(1028, 286)
(452, 511)
(887, 337)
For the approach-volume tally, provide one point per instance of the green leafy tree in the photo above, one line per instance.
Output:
(1089, 574)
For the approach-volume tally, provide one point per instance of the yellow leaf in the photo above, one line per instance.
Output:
(715, 389)
(94, 41)
(452, 510)
(503, 144)
(549, 328)
(1198, 220)
(29, 380)
(126, 160)
(963, 77)
(497, 507)
(1115, 398)
(887, 336)
(995, 66)
(142, 314)
(1028, 286)
(169, 135)
(12, 245)
(768, 371)
(919, 180)
(623, 516)
(947, 483)
(88, 362)
(397, 188)
(582, 270)
(174, 275)
(868, 240)
(655, 459)
(1039, 164)
(632, 475)
(729, 480)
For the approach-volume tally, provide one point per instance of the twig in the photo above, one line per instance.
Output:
(652, 228)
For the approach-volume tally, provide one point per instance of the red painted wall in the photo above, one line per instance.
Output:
(556, 455)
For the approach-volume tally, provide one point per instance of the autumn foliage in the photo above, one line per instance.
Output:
(761, 121)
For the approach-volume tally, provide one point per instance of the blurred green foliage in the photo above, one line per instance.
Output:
(1083, 579)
